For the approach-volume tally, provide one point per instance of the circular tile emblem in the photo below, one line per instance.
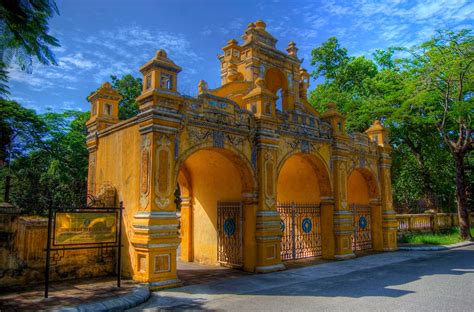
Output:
(362, 222)
(282, 225)
(307, 225)
(229, 227)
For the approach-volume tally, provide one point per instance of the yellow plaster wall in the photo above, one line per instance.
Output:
(213, 178)
(357, 190)
(298, 182)
(118, 165)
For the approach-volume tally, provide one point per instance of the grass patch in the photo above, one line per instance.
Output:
(447, 237)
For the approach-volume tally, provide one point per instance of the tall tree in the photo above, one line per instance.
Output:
(24, 35)
(365, 90)
(443, 78)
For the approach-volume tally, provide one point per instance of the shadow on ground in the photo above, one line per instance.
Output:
(342, 279)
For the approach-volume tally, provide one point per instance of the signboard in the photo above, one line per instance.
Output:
(83, 228)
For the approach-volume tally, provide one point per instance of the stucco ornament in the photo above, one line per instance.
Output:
(163, 171)
(145, 172)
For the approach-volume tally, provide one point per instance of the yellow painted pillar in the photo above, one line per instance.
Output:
(186, 229)
(376, 219)
(343, 228)
(327, 227)
(268, 233)
(389, 220)
(155, 225)
(249, 206)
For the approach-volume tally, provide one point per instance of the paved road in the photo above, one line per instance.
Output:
(399, 281)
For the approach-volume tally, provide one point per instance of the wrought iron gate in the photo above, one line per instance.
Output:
(301, 228)
(229, 233)
(362, 237)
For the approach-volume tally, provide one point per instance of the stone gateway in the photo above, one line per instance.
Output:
(247, 175)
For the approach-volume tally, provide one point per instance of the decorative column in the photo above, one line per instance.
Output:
(155, 224)
(343, 228)
(104, 113)
(378, 134)
(268, 232)
(389, 218)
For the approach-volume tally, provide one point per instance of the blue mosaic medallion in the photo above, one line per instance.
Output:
(282, 225)
(229, 227)
(307, 225)
(362, 222)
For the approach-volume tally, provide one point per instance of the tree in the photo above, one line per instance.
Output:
(55, 172)
(365, 90)
(20, 130)
(129, 88)
(442, 69)
(24, 34)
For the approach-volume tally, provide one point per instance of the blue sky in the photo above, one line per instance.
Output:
(100, 38)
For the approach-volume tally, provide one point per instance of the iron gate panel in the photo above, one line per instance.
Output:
(301, 230)
(362, 237)
(229, 225)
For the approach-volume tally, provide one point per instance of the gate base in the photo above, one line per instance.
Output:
(345, 256)
(165, 284)
(270, 268)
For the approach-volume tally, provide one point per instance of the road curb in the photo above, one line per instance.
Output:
(136, 297)
(436, 248)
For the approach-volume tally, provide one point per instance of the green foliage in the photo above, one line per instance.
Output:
(448, 237)
(54, 172)
(20, 130)
(24, 34)
(405, 94)
(129, 88)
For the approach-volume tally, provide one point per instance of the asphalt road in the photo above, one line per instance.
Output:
(398, 281)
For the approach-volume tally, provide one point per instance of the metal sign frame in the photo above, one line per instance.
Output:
(52, 246)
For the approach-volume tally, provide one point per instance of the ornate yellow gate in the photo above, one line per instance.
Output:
(362, 237)
(229, 230)
(301, 228)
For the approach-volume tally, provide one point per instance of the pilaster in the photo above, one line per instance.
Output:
(389, 220)
(186, 229)
(327, 227)
(376, 219)
(268, 233)
(343, 228)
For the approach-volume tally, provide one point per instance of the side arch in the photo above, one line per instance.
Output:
(245, 168)
(370, 178)
(319, 166)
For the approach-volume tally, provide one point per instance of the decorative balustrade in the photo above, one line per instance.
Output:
(428, 222)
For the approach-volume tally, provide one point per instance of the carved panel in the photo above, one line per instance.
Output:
(269, 180)
(163, 171)
(145, 172)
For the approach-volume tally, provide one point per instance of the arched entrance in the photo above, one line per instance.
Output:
(361, 192)
(302, 181)
(211, 183)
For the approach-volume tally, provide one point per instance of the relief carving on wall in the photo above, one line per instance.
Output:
(269, 178)
(163, 171)
(144, 172)
(92, 169)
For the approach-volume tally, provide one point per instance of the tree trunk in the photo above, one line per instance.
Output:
(461, 198)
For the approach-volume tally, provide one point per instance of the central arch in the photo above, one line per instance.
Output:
(209, 179)
(303, 180)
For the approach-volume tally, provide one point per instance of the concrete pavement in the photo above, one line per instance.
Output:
(398, 281)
